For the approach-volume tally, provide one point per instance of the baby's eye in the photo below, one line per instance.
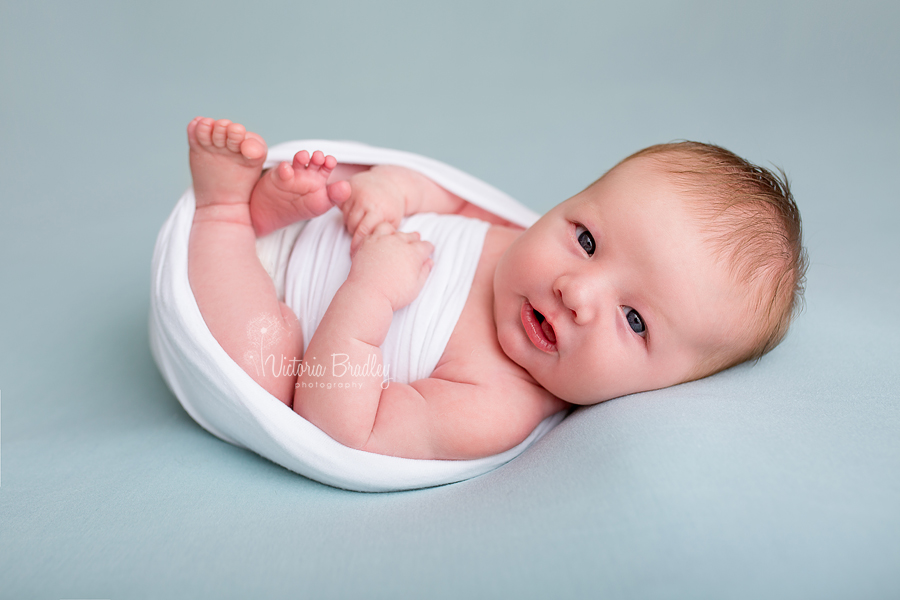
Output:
(586, 240)
(635, 321)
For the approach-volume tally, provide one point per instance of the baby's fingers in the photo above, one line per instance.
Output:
(370, 224)
(359, 235)
(362, 232)
(353, 214)
(424, 272)
(424, 247)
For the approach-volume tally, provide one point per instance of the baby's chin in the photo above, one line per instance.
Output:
(585, 395)
(564, 391)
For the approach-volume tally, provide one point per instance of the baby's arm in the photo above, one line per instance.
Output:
(386, 274)
(387, 193)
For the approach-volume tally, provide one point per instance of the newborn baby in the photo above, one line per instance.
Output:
(681, 261)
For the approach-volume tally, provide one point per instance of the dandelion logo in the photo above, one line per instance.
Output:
(263, 332)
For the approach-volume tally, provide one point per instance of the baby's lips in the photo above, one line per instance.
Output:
(538, 329)
(548, 331)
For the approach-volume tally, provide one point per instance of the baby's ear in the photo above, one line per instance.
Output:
(339, 192)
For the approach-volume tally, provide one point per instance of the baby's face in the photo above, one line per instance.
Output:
(614, 291)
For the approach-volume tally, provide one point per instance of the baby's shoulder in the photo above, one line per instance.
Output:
(488, 410)
(500, 237)
(500, 383)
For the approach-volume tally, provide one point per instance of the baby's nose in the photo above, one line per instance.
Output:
(577, 296)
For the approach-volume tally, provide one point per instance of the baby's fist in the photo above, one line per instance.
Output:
(393, 263)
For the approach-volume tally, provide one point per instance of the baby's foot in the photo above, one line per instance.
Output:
(295, 191)
(226, 161)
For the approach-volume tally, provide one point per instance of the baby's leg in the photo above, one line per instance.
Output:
(235, 295)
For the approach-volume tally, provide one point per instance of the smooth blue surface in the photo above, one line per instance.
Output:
(775, 480)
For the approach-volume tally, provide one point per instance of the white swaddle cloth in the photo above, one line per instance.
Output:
(419, 332)
(225, 401)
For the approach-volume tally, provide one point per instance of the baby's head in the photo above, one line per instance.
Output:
(681, 261)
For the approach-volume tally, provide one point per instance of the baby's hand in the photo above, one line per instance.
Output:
(393, 263)
(376, 196)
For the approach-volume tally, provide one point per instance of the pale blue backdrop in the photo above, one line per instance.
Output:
(776, 480)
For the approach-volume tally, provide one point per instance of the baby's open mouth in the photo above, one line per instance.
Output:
(546, 327)
(539, 330)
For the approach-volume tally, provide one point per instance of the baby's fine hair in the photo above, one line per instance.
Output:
(754, 225)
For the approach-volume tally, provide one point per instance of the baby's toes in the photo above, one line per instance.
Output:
(203, 132)
(316, 160)
(283, 172)
(253, 147)
(301, 159)
(328, 165)
(220, 132)
(339, 192)
(234, 135)
(192, 130)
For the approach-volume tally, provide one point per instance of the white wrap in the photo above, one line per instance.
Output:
(419, 333)
(225, 401)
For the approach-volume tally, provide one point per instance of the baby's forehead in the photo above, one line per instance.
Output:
(641, 189)
(664, 184)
